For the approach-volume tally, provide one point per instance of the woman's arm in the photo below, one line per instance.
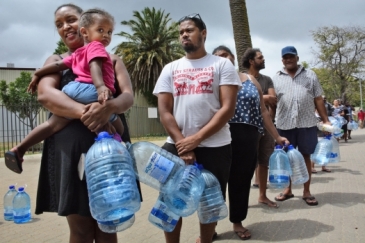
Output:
(55, 100)
(269, 125)
(97, 115)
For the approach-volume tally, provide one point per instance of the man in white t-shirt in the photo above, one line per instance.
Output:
(196, 98)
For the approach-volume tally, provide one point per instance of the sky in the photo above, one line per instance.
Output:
(28, 35)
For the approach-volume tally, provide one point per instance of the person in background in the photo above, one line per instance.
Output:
(299, 94)
(328, 106)
(350, 109)
(246, 126)
(196, 98)
(360, 117)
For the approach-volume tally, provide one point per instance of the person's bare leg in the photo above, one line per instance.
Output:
(118, 124)
(306, 191)
(82, 229)
(262, 174)
(257, 180)
(242, 232)
(206, 232)
(101, 237)
(313, 169)
(39, 133)
(174, 236)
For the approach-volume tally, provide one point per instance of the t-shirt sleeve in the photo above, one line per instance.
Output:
(270, 84)
(317, 88)
(228, 74)
(164, 82)
(95, 50)
(68, 61)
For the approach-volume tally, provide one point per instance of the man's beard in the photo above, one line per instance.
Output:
(260, 66)
(192, 48)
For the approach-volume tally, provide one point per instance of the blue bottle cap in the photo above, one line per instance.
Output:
(102, 135)
(11, 187)
(328, 137)
(199, 166)
(278, 147)
(20, 189)
(290, 147)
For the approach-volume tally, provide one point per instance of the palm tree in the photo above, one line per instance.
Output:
(241, 28)
(151, 45)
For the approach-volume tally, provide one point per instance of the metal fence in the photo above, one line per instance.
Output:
(13, 129)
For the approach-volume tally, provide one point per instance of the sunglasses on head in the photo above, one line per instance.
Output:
(192, 16)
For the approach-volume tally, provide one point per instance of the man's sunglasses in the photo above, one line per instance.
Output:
(192, 16)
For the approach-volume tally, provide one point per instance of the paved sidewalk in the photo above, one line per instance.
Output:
(339, 217)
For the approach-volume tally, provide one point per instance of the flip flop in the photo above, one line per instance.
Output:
(326, 170)
(270, 204)
(314, 172)
(13, 162)
(284, 197)
(255, 185)
(310, 203)
(242, 236)
(215, 235)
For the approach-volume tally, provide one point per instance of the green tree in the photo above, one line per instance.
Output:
(152, 44)
(340, 60)
(61, 48)
(241, 28)
(15, 98)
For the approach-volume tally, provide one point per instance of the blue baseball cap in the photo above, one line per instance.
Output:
(289, 50)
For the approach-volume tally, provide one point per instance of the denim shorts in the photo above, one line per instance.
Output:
(304, 139)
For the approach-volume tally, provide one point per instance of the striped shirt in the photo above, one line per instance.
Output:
(296, 98)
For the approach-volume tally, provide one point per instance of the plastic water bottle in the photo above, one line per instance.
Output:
(21, 207)
(111, 183)
(329, 128)
(335, 153)
(350, 126)
(322, 153)
(299, 169)
(279, 168)
(211, 206)
(353, 125)
(184, 194)
(8, 203)
(161, 215)
(154, 166)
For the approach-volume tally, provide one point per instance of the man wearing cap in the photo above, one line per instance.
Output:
(299, 95)
(196, 99)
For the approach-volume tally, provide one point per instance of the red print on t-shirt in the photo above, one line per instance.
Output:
(193, 81)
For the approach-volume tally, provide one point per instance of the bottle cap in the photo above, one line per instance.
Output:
(278, 147)
(20, 189)
(102, 135)
(199, 166)
(11, 187)
(290, 147)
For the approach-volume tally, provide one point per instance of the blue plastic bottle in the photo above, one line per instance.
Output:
(322, 153)
(111, 183)
(161, 215)
(212, 206)
(335, 153)
(279, 168)
(8, 203)
(299, 169)
(21, 207)
(154, 166)
(184, 194)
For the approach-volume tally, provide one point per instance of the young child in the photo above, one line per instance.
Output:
(95, 78)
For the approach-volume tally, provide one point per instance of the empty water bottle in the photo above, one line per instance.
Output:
(161, 216)
(299, 169)
(184, 194)
(335, 153)
(352, 125)
(154, 166)
(322, 153)
(111, 183)
(21, 207)
(211, 206)
(279, 168)
(8, 203)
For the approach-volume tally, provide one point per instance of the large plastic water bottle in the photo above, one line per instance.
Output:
(335, 153)
(184, 194)
(299, 169)
(322, 153)
(161, 215)
(211, 206)
(154, 166)
(352, 125)
(8, 203)
(111, 183)
(279, 168)
(21, 207)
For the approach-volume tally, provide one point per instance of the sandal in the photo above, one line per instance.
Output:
(284, 197)
(309, 199)
(326, 170)
(242, 235)
(215, 235)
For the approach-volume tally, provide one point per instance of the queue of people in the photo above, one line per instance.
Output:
(219, 118)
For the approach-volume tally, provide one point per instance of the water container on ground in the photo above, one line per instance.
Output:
(8, 203)
(21, 207)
